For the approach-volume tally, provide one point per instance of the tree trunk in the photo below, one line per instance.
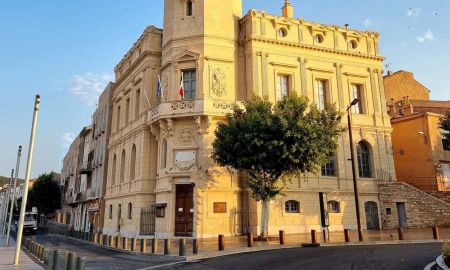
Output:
(265, 220)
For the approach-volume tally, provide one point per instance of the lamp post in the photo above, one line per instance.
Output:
(355, 183)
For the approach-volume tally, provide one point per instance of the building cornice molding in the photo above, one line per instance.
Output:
(313, 48)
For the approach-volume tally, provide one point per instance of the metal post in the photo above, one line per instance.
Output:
(182, 247)
(355, 183)
(154, 246)
(281, 234)
(27, 180)
(81, 263)
(195, 246)
(72, 261)
(221, 243)
(400, 233)
(6, 204)
(19, 153)
(166, 247)
(346, 235)
(249, 239)
(143, 245)
(435, 233)
(313, 237)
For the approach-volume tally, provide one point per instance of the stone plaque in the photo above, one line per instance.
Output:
(220, 207)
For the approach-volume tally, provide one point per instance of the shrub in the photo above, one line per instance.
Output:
(446, 253)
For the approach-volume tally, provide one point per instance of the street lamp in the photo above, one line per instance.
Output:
(352, 154)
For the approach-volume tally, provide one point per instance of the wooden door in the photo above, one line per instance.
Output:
(184, 210)
(372, 220)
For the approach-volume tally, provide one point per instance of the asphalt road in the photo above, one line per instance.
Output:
(101, 258)
(378, 257)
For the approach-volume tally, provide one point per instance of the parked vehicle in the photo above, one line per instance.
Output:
(30, 224)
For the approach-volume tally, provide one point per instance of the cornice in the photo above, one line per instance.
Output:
(314, 48)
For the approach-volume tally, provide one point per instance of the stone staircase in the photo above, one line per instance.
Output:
(422, 208)
(443, 195)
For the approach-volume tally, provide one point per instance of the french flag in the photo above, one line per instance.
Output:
(182, 87)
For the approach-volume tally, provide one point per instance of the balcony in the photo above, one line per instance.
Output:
(189, 108)
(86, 167)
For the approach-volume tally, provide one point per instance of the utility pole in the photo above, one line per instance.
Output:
(355, 183)
(19, 153)
(5, 209)
(27, 179)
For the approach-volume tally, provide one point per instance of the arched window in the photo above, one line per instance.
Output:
(113, 172)
(334, 207)
(130, 209)
(364, 160)
(122, 167)
(164, 154)
(110, 211)
(133, 163)
(189, 8)
(292, 206)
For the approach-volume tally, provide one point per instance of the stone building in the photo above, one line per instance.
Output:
(161, 181)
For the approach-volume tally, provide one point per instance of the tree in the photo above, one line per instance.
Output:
(445, 125)
(45, 195)
(272, 144)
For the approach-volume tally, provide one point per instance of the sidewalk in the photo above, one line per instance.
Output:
(7, 257)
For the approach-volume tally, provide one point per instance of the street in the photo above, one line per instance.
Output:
(376, 257)
(101, 258)
(379, 257)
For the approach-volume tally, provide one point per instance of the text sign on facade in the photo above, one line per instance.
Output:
(220, 207)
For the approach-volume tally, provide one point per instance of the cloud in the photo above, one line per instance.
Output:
(427, 36)
(67, 138)
(87, 87)
(413, 12)
(367, 22)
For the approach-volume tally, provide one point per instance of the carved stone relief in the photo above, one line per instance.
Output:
(218, 82)
(185, 138)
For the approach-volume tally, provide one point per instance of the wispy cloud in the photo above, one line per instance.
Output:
(367, 22)
(88, 86)
(413, 12)
(66, 139)
(427, 36)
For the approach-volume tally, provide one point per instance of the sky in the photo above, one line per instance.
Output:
(66, 52)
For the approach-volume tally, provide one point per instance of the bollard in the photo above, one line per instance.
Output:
(133, 244)
(281, 235)
(100, 239)
(64, 261)
(195, 246)
(81, 263)
(435, 233)
(45, 256)
(347, 235)
(249, 239)
(221, 244)
(154, 246)
(313, 237)
(182, 247)
(54, 260)
(40, 251)
(111, 241)
(143, 245)
(124, 243)
(50, 256)
(166, 247)
(71, 261)
(400, 233)
(116, 242)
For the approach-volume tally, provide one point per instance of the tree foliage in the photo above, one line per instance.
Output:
(445, 125)
(45, 195)
(271, 143)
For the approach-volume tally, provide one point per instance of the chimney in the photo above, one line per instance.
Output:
(288, 9)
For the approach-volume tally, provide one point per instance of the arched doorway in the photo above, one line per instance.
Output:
(372, 221)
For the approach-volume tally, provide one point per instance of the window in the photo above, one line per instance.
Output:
(118, 119)
(329, 169)
(364, 167)
(334, 207)
(189, 8)
(164, 154)
(133, 163)
(190, 84)
(282, 32)
(122, 167)
(357, 93)
(318, 38)
(137, 106)
(353, 44)
(292, 206)
(130, 209)
(446, 144)
(127, 111)
(321, 92)
(110, 211)
(283, 86)
(113, 173)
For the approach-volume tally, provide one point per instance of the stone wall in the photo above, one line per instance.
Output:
(422, 209)
(443, 195)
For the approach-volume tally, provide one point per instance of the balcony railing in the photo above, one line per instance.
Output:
(86, 167)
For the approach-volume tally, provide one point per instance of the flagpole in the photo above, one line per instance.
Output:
(148, 101)
(19, 153)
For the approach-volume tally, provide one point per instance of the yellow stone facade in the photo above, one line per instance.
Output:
(227, 57)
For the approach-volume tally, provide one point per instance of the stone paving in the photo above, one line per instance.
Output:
(7, 257)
